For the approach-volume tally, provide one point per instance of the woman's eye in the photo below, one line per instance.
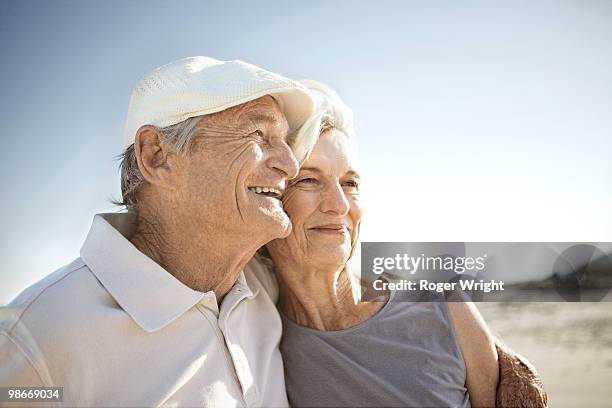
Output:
(351, 184)
(257, 133)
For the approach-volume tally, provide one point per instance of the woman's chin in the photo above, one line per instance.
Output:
(335, 256)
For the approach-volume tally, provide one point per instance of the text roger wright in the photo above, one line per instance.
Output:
(424, 284)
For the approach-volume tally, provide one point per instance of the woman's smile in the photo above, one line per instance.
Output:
(331, 229)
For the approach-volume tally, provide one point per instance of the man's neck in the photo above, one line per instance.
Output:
(201, 262)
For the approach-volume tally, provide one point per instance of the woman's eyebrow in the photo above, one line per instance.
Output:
(350, 173)
(353, 173)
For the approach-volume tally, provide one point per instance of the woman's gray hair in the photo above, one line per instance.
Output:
(330, 112)
(180, 137)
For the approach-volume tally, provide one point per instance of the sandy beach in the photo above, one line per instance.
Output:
(569, 343)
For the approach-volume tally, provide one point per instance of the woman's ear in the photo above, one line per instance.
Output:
(152, 156)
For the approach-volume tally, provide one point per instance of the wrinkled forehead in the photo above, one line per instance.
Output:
(334, 152)
(261, 113)
(265, 110)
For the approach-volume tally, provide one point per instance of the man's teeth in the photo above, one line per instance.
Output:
(260, 190)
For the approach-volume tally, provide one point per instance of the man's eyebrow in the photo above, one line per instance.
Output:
(259, 117)
(311, 169)
(249, 119)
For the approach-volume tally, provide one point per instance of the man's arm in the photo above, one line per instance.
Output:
(479, 353)
(519, 382)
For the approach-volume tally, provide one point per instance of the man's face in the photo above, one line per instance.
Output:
(232, 180)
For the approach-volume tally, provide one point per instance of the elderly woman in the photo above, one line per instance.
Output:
(339, 351)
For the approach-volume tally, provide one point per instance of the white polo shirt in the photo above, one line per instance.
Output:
(115, 329)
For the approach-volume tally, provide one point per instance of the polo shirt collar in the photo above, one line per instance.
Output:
(147, 292)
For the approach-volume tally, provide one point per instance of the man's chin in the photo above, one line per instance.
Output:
(283, 224)
(287, 227)
(274, 224)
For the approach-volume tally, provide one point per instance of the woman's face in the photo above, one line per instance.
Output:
(323, 204)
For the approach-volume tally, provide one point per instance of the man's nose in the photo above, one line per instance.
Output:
(282, 160)
(334, 200)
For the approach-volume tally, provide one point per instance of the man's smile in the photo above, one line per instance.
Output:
(267, 191)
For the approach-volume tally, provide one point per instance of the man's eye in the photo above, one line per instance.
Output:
(257, 133)
(308, 180)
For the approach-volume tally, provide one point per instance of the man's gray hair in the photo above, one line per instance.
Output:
(180, 137)
(330, 112)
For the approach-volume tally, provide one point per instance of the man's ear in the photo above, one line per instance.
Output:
(152, 156)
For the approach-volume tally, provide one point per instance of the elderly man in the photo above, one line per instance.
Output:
(157, 310)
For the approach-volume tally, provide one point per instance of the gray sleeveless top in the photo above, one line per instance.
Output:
(406, 355)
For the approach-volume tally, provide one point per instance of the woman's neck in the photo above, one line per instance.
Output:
(323, 298)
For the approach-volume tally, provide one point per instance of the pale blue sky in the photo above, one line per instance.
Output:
(481, 121)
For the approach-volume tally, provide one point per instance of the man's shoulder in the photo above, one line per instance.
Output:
(47, 299)
(31, 292)
(45, 318)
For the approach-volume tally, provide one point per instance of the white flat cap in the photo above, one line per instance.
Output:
(197, 86)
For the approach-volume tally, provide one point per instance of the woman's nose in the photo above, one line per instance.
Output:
(334, 200)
